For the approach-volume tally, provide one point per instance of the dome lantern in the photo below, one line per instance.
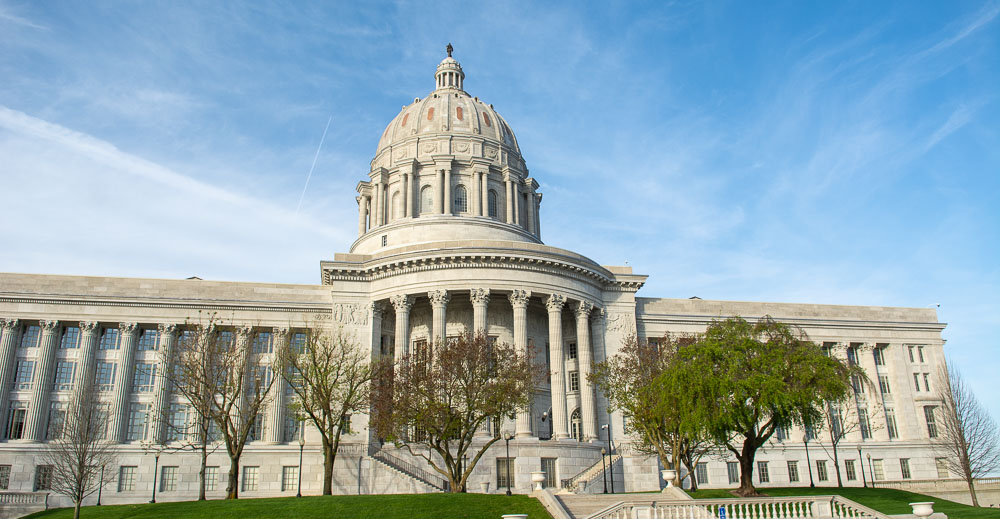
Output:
(449, 73)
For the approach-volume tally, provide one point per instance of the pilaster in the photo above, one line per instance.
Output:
(560, 427)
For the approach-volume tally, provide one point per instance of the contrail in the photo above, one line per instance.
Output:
(323, 138)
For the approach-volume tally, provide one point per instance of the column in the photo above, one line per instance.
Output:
(480, 298)
(362, 214)
(597, 344)
(519, 301)
(8, 348)
(38, 408)
(530, 211)
(538, 218)
(588, 410)
(123, 381)
(484, 206)
(161, 390)
(448, 209)
(439, 303)
(402, 303)
(275, 426)
(377, 307)
(244, 336)
(508, 189)
(89, 336)
(405, 193)
(477, 193)
(515, 186)
(376, 205)
(560, 427)
(439, 192)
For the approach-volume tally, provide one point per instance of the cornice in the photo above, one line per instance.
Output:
(819, 322)
(78, 299)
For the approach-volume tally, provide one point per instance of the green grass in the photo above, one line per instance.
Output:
(711, 493)
(885, 500)
(375, 507)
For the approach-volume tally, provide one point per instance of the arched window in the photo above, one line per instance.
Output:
(493, 203)
(426, 200)
(576, 425)
(461, 200)
(397, 206)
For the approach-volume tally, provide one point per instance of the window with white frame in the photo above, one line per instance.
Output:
(250, 479)
(904, 467)
(4, 477)
(492, 204)
(850, 470)
(57, 419)
(211, 479)
(149, 338)
(821, 473)
(733, 472)
(30, 337)
(762, 473)
(289, 478)
(24, 374)
(864, 424)
(549, 467)
(505, 472)
(701, 473)
(932, 431)
(43, 477)
(878, 470)
(793, 471)
(16, 417)
(941, 464)
(126, 478)
(890, 424)
(105, 376)
(571, 350)
(461, 202)
(138, 418)
(65, 374)
(263, 342)
(883, 384)
(177, 422)
(168, 479)
(109, 339)
(427, 199)
(70, 338)
(879, 354)
(574, 381)
(145, 375)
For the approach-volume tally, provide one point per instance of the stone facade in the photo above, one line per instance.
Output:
(449, 241)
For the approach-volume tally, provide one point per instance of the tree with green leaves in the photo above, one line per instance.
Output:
(749, 379)
(331, 376)
(440, 397)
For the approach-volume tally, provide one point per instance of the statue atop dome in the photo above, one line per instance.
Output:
(449, 49)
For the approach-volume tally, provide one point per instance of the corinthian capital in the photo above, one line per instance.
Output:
(88, 326)
(8, 324)
(49, 326)
(439, 297)
(555, 302)
(167, 329)
(480, 296)
(402, 303)
(519, 297)
(583, 309)
(128, 328)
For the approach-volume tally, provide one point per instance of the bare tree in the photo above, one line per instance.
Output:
(331, 376)
(440, 398)
(970, 441)
(81, 451)
(845, 417)
(221, 378)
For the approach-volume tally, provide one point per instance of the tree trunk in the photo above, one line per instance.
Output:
(836, 465)
(201, 474)
(329, 456)
(232, 489)
(972, 491)
(76, 510)
(746, 458)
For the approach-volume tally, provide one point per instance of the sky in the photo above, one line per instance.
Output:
(801, 151)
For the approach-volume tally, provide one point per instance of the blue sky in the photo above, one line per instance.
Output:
(825, 152)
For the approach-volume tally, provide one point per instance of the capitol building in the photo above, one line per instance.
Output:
(449, 241)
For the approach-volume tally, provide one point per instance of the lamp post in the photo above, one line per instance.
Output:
(805, 440)
(604, 474)
(506, 438)
(100, 488)
(302, 444)
(870, 470)
(861, 461)
(611, 445)
(156, 466)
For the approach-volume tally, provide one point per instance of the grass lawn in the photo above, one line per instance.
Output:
(376, 507)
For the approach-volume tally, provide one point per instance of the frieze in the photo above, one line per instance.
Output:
(619, 322)
(348, 314)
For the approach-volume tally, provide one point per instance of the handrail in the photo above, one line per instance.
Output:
(411, 470)
(805, 507)
(571, 483)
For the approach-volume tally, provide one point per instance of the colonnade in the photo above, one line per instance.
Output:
(375, 204)
(589, 325)
(41, 398)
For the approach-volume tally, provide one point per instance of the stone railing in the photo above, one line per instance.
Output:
(19, 504)
(818, 507)
(579, 482)
(938, 485)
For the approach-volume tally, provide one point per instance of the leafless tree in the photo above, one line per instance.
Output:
(81, 451)
(331, 376)
(849, 415)
(970, 441)
(439, 398)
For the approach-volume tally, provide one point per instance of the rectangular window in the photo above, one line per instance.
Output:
(293, 429)
(821, 470)
(549, 467)
(927, 382)
(168, 479)
(65, 373)
(138, 415)
(942, 468)
(920, 353)
(858, 384)
(878, 471)
(126, 479)
(298, 342)
(257, 430)
(781, 433)
(916, 381)
(793, 471)
(24, 375)
(572, 350)
(211, 479)
(828, 348)
(931, 421)
(262, 343)
(105, 376)
(43, 477)
(890, 424)
(864, 424)
(70, 338)
(762, 473)
(149, 339)
(15, 420)
(4, 477)
(574, 381)
(177, 423)
(250, 479)
(57, 418)
(505, 473)
(910, 350)
(810, 433)
(879, 354)
(850, 470)
(852, 355)
(30, 337)
(289, 478)
(109, 339)
(883, 384)
(733, 472)
(145, 374)
(904, 467)
(701, 473)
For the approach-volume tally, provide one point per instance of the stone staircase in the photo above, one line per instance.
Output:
(404, 468)
(585, 505)
(581, 482)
